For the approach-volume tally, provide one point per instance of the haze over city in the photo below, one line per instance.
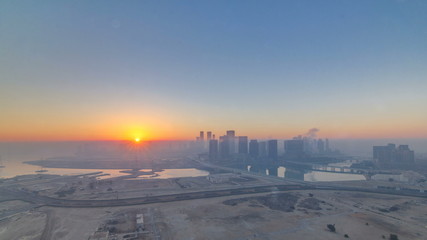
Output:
(110, 70)
(213, 119)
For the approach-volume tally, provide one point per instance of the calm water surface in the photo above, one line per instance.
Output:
(13, 156)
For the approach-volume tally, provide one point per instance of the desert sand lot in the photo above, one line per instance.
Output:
(276, 215)
(124, 187)
(360, 216)
(23, 226)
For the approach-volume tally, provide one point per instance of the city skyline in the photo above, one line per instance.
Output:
(107, 70)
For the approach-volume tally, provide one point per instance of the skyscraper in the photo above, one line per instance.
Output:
(272, 149)
(224, 147)
(202, 136)
(253, 148)
(405, 155)
(294, 149)
(384, 155)
(390, 155)
(320, 146)
(213, 149)
(327, 149)
(231, 133)
(209, 135)
(231, 137)
(243, 145)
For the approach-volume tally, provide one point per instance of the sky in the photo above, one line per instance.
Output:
(111, 70)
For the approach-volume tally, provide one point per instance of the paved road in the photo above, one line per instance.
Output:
(10, 193)
(14, 194)
(56, 202)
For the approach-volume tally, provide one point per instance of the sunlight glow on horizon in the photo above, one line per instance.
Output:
(271, 71)
(368, 132)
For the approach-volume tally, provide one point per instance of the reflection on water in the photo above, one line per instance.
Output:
(16, 168)
(14, 155)
(306, 175)
(173, 173)
(13, 169)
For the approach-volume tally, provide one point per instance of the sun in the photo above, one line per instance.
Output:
(137, 140)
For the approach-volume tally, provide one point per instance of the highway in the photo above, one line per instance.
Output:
(57, 202)
(13, 194)
(8, 192)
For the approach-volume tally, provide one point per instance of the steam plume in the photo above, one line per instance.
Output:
(312, 133)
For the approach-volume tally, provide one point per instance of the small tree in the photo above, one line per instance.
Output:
(331, 227)
(346, 236)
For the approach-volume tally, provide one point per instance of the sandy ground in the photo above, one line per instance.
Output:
(356, 215)
(23, 226)
(293, 215)
(8, 207)
(289, 215)
(69, 223)
(91, 188)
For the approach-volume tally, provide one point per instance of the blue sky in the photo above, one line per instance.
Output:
(268, 68)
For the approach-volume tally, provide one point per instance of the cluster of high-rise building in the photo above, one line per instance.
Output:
(201, 136)
(391, 155)
(300, 147)
(230, 145)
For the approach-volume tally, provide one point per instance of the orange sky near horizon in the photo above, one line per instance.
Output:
(168, 131)
(124, 120)
(117, 71)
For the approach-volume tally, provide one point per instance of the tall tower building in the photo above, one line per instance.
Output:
(272, 149)
(202, 136)
(231, 133)
(390, 155)
(243, 145)
(253, 148)
(320, 146)
(327, 149)
(209, 135)
(405, 155)
(262, 149)
(294, 149)
(224, 147)
(213, 149)
(231, 138)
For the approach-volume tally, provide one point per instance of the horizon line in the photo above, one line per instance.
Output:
(194, 140)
